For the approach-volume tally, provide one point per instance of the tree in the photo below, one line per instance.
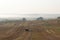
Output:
(58, 19)
(40, 18)
(24, 19)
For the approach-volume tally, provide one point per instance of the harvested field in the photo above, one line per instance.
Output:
(38, 30)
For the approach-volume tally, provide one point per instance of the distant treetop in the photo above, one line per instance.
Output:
(24, 19)
(40, 18)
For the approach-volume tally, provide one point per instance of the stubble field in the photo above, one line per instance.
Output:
(37, 30)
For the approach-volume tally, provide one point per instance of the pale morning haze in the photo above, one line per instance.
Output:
(26, 8)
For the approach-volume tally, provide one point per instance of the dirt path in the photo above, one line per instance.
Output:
(25, 36)
(49, 35)
(28, 36)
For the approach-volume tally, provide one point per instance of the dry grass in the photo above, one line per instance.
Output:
(39, 30)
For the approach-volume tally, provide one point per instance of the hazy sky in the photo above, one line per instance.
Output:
(16, 7)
